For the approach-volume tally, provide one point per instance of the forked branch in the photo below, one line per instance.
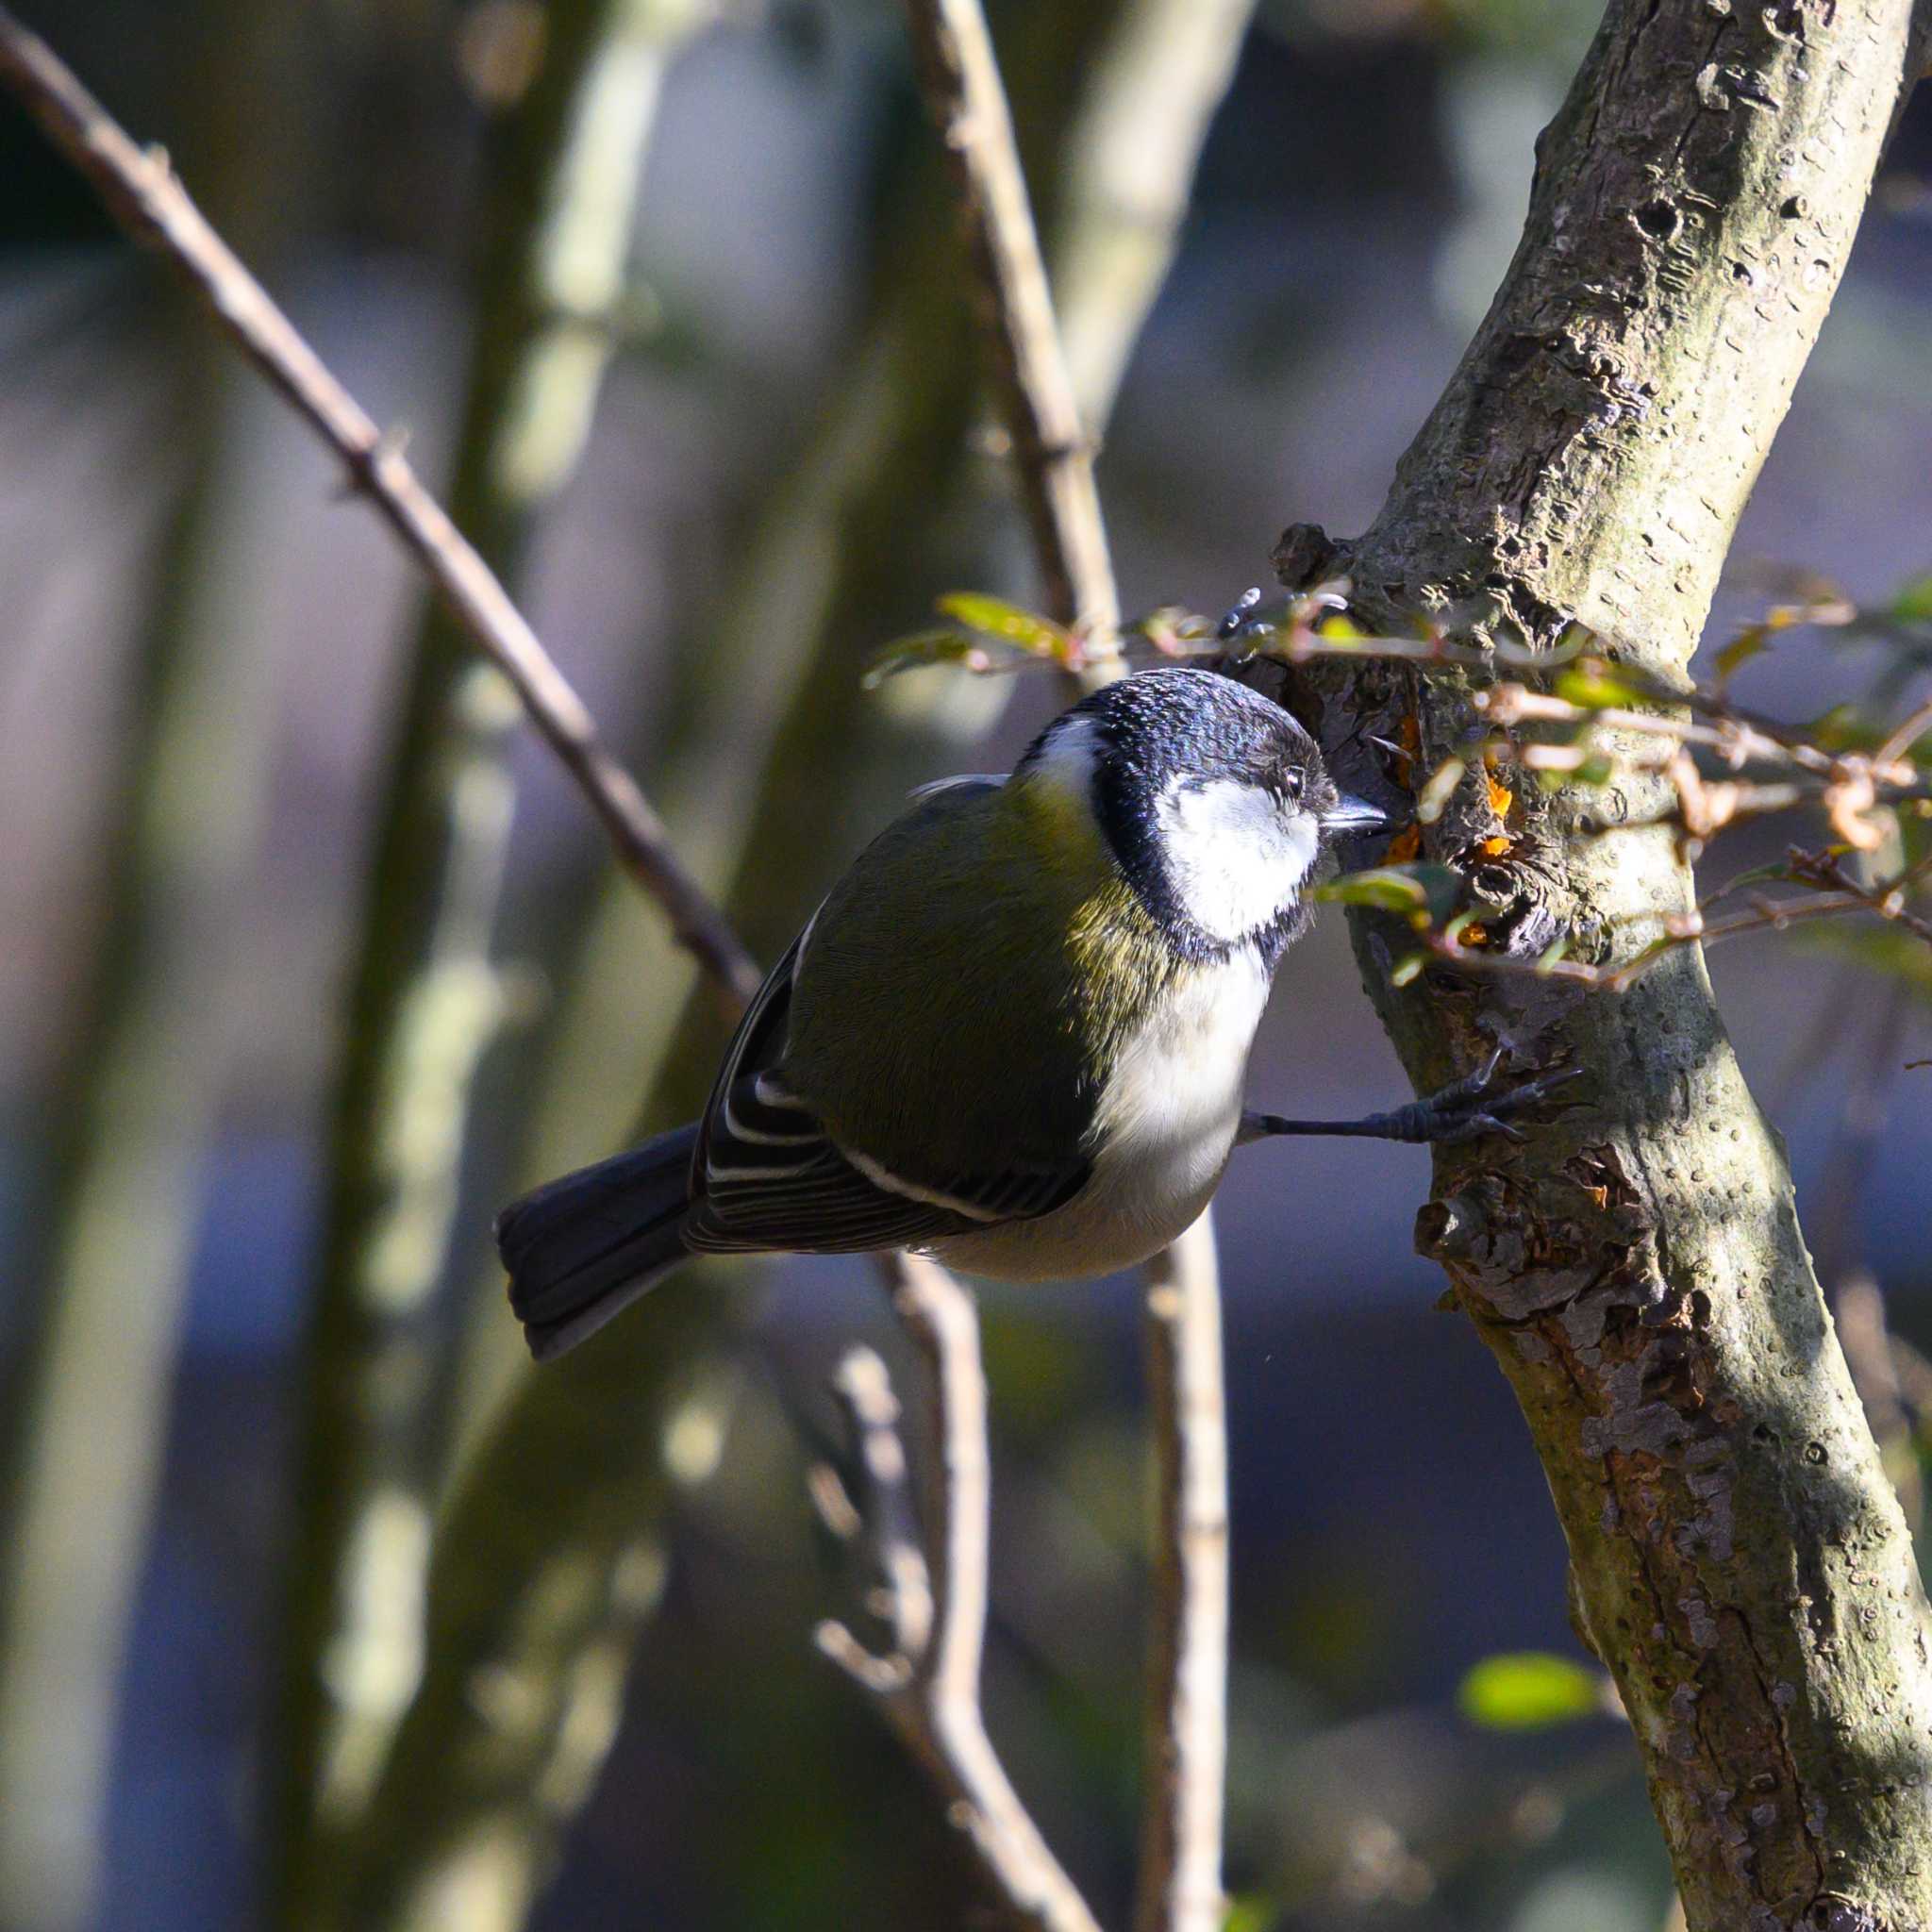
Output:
(928, 1683)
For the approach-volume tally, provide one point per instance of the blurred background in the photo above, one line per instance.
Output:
(320, 1609)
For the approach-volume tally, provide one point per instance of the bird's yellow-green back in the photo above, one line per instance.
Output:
(989, 922)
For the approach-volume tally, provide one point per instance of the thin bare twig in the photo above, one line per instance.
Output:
(944, 1720)
(885, 1515)
(960, 78)
(1907, 734)
(1836, 892)
(1887, 898)
(1178, 1887)
(138, 187)
(1682, 929)
(928, 1685)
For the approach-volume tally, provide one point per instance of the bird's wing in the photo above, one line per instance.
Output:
(979, 781)
(767, 1175)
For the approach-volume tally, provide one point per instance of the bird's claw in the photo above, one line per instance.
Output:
(1472, 1105)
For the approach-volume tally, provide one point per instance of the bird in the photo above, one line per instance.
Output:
(1014, 1036)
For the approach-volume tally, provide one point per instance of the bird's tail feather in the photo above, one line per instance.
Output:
(581, 1249)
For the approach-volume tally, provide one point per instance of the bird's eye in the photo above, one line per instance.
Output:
(1291, 786)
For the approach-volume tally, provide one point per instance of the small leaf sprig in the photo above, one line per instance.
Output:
(1574, 714)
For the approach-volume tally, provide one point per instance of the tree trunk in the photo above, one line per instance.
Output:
(1738, 1560)
(426, 999)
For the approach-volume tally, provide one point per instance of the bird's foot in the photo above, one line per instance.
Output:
(1480, 1103)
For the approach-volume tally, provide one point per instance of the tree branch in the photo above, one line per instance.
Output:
(852, 530)
(929, 1690)
(960, 78)
(1178, 1886)
(1152, 92)
(1741, 1562)
(146, 198)
(1183, 1764)
(140, 187)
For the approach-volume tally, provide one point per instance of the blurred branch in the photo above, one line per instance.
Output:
(559, 190)
(1151, 94)
(770, 748)
(1873, 1357)
(91, 1420)
(140, 187)
(929, 1685)
(583, 1437)
(558, 1472)
(550, 1556)
(773, 752)
(1184, 1763)
(1856, 1140)
(960, 78)
(88, 1420)
(1857, 1300)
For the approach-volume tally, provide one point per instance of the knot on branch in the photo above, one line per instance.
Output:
(1516, 1252)
(1306, 554)
(1834, 1913)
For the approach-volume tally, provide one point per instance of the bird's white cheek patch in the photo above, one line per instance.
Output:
(1236, 857)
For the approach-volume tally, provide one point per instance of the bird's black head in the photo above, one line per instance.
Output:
(1216, 804)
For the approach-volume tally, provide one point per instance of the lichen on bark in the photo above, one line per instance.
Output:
(1738, 1560)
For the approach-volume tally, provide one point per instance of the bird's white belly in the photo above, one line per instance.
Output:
(1166, 1127)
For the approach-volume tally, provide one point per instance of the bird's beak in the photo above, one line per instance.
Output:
(1352, 814)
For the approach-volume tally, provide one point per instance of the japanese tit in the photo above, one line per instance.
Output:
(1014, 1036)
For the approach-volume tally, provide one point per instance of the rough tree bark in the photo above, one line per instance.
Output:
(1738, 1560)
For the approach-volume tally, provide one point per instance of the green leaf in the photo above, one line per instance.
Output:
(1427, 892)
(1593, 683)
(1171, 630)
(1407, 969)
(1527, 1690)
(1748, 644)
(1842, 729)
(1039, 637)
(1387, 888)
(1337, 629)
(1819, 601)
(1252, 1911)
(1913, 604)
(922, 647)
(1559, 948)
